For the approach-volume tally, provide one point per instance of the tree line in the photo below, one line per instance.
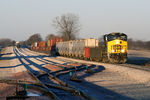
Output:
(138, 44)
(4, 42)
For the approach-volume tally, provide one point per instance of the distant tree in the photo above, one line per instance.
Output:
(5, 42)
(147, 45)
(34, 38)
(23, 43)
(130, 43)
(101, 40)
(13, 42)
(67, 25)
(50, 36)
(140, 44)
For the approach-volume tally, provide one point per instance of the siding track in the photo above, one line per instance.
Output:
(46, 77)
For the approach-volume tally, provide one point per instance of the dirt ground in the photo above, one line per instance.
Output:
(139, 57)
(139, 53)
(11, 68)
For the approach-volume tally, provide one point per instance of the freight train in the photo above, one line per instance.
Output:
(113, 48)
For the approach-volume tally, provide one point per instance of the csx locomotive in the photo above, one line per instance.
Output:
(116, 47)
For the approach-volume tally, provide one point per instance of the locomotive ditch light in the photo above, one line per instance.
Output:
(113, 51)
(122, 50)
(117, 42)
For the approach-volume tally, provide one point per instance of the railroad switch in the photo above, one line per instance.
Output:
(74, 77)
(19, 95)
(90, 71)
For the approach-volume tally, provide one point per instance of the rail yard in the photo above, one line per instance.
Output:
(60, 78)
(82, 69)
(74, 50)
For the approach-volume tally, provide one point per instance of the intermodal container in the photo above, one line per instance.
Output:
(87, 52)
(91, 42)
(48, 43)
(37, 48)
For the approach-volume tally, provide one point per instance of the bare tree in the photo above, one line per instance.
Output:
(67, 25)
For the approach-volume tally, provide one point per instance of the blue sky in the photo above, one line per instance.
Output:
(21, 18)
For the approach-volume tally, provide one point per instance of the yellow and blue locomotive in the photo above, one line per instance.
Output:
(116, 48)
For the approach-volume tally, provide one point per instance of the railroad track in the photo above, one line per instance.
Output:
(46, 60)
(64, 70)
(140, 67)
(45, 78)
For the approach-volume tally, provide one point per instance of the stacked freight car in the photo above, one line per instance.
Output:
(46, 46)
(52, 42)
(78, 48)
(42, 45)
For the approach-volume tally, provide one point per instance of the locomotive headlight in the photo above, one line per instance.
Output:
(112, 51)
(122, 50)
(117, 41)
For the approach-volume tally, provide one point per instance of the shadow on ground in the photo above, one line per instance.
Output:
(138, 60)
(99, 92)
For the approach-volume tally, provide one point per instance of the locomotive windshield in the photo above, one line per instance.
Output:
(119, 36)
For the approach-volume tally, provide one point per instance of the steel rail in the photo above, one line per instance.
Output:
(144, 68)
(34, 74)
(69, 68)
(76, 91)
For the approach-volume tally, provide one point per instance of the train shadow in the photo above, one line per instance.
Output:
(138, 60)
(11, 66)
(5, 54)
(14, 57)
(96, 91)
(8, 58)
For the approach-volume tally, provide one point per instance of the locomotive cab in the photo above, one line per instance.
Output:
(116, 47)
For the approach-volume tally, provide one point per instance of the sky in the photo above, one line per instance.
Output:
(20, 19)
